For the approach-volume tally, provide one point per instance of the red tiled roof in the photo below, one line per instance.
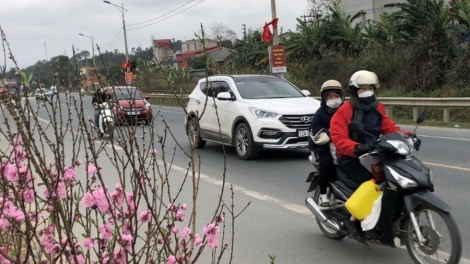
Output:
(163, 43)
(194, 52)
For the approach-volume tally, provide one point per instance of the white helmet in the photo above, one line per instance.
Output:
(361, 78)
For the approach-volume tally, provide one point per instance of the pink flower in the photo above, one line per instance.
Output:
(61, 190)
(100, 199)
(171, 207)
(89, 243)
(184, 206)
(4, 224)
(69, 173)
(106, 231)
(145, 216)
(175, 230)
(11, 173)
(126, 241)
(80, 259)
(78, 162)
(154, 152)
(212, 241)
(197, 240)
(28, 196)
(211, 229)
(185, 233)
(91, 169)
(119, 256)
(118, 197)
(171, 260)
(89, 118)
(14, 213)
(220, 219)
(88, 200)
(179, 215)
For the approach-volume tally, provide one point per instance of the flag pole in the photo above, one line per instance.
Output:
(273, 14)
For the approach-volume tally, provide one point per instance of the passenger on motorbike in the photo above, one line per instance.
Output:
(332, 97)
(101, 96)
(363, 107)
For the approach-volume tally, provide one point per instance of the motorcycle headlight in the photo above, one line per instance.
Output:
(404, 182)
(401, 147)
(147, 106)
(260, 113)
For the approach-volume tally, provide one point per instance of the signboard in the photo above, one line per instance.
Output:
(129, 76)
(277, 58)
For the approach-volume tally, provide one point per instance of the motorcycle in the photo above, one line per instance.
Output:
(410, 211)
(105, 121)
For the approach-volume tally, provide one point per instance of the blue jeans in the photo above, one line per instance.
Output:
(97, 117)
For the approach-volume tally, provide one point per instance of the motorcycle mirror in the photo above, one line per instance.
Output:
(356, 127)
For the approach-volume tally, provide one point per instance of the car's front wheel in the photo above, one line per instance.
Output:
(244, 144)
(193, 134)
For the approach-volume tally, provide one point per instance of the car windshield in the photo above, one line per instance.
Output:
(265, 87)
(127, 94)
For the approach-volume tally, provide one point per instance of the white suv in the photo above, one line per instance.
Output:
(255, 112)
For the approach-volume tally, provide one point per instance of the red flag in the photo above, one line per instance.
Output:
(274, 23)
(267, 35)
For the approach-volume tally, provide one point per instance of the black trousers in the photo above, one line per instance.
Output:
(327, 170)
(356, 172)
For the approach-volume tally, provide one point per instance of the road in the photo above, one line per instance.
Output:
(278, 223)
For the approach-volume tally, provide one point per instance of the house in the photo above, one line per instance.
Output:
(217, 55)
(163, 51)
(196, 44)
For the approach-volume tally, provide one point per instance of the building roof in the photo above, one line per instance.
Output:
(162, 43)
(194, 52)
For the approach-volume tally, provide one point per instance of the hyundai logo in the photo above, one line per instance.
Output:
(305, 119)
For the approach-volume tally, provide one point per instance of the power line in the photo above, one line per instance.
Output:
(167, 17)
(113, 41)
(112, 44)
(162, 15)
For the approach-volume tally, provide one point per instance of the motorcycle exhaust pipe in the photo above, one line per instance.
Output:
(319, 214)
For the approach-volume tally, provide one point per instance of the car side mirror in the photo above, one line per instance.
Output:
(306, 92)
(224, 96)
(356, 127)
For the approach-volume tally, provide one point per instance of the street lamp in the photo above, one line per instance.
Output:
(122, 9)
(92, 46)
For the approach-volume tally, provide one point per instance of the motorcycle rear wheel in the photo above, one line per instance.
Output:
(437, 240)
(327, 231)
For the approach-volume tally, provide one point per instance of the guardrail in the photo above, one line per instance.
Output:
(445, 103)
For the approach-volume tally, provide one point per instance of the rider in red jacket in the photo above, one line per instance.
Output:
(363, 107)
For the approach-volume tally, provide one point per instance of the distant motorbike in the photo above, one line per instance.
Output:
(106, 121)
(415, 215)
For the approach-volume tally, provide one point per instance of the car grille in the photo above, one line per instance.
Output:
(129, 109)
(295, 121)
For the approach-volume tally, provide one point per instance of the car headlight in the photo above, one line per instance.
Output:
(148, 106)
(404, 182)
(401, 147)
(260, 113)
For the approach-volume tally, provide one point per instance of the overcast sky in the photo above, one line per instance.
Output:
(41, 29)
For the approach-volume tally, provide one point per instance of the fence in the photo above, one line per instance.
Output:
(389, 102)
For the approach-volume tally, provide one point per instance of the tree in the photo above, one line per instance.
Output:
(222, 34)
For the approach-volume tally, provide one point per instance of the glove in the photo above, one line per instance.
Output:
(362, 149)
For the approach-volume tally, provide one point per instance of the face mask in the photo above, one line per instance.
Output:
(365, 94)
(335, 103)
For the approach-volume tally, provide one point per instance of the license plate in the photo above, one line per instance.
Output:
(302, 133)
(133, 113)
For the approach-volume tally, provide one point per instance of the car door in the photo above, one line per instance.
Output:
(226, 109)
(208, 117)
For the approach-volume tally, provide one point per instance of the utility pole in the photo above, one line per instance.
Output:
(273, 14)
(305, 18)
(244, 31)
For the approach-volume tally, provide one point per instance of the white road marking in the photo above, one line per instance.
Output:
(451, 138)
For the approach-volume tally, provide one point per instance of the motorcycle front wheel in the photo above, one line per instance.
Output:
(109, 130)
(327, 231)
(442, 241)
